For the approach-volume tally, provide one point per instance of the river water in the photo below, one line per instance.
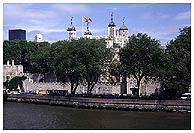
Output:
(31, 116)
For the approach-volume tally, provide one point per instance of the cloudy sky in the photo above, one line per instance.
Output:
(159, 20)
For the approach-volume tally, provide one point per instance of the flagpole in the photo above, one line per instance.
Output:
(82, 26)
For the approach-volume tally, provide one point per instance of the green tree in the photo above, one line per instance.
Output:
(141, 57)
(13, 83)
(20, 51)
(81, 61)
(115, 71)
(96, 58)
(67, 64)
(178, 69)
(14, 50)
(40, 60)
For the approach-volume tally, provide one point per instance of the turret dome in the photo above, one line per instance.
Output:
(123, 27)
(87, 32)
(71, 28)
(111, 24)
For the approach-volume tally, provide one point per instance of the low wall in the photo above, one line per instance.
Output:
(106, 103)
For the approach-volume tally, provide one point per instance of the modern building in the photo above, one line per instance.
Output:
(38, 38)
(17, 34)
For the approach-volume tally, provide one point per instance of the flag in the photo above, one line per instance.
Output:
(89, 20)
(84, 19)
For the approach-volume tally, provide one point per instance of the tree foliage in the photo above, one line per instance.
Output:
(35, 57)
(75, 61)
(81, 61)
(15, 50)
(67, 64)
(178, 69)
(96, 59)
(141, 57)
(40, 60)
(13, 83)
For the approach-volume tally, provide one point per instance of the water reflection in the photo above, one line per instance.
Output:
(30, 116)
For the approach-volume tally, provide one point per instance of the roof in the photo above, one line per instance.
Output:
(87, 32)
(123, 27)
(111, 24)
(71, 28)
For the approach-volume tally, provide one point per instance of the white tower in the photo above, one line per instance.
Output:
(87, 33)
(112, 28)
(123, 33)
(38, 38)
(71, 31)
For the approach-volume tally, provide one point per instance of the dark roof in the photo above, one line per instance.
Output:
(87, 32)
(123, 27)
(71, 28)
(111, 24)
(17, 30)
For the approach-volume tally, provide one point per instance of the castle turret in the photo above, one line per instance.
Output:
(71, 31)
(111, 28)
(123, 32)
(87, 33)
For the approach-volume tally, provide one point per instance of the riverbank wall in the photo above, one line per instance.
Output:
(106, 103)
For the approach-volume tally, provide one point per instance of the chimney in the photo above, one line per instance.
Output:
(12, 62)
(7, 63)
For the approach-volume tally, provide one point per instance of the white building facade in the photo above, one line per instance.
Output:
(38, 38)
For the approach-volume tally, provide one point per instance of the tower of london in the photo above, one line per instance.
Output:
(117, 36)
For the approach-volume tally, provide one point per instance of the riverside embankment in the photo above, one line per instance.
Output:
(106, 103)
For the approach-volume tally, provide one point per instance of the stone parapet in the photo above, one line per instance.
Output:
(107, 103)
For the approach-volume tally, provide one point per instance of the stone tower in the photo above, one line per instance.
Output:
(112, 28)
(71, 31)
(123, 33)
(87, 33)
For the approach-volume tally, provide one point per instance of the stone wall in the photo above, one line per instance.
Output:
(147, 87)
(106, 103)
(11, 70)
(30, 86)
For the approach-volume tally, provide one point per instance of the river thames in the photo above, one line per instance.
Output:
(23, 116)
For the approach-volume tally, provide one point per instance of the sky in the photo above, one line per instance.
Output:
(161, 21)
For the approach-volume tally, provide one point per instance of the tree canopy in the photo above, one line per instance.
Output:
(141, 57)
(81, 61)
(178, 68)
(13, 83)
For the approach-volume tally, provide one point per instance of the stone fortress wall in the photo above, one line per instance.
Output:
(32, 84)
